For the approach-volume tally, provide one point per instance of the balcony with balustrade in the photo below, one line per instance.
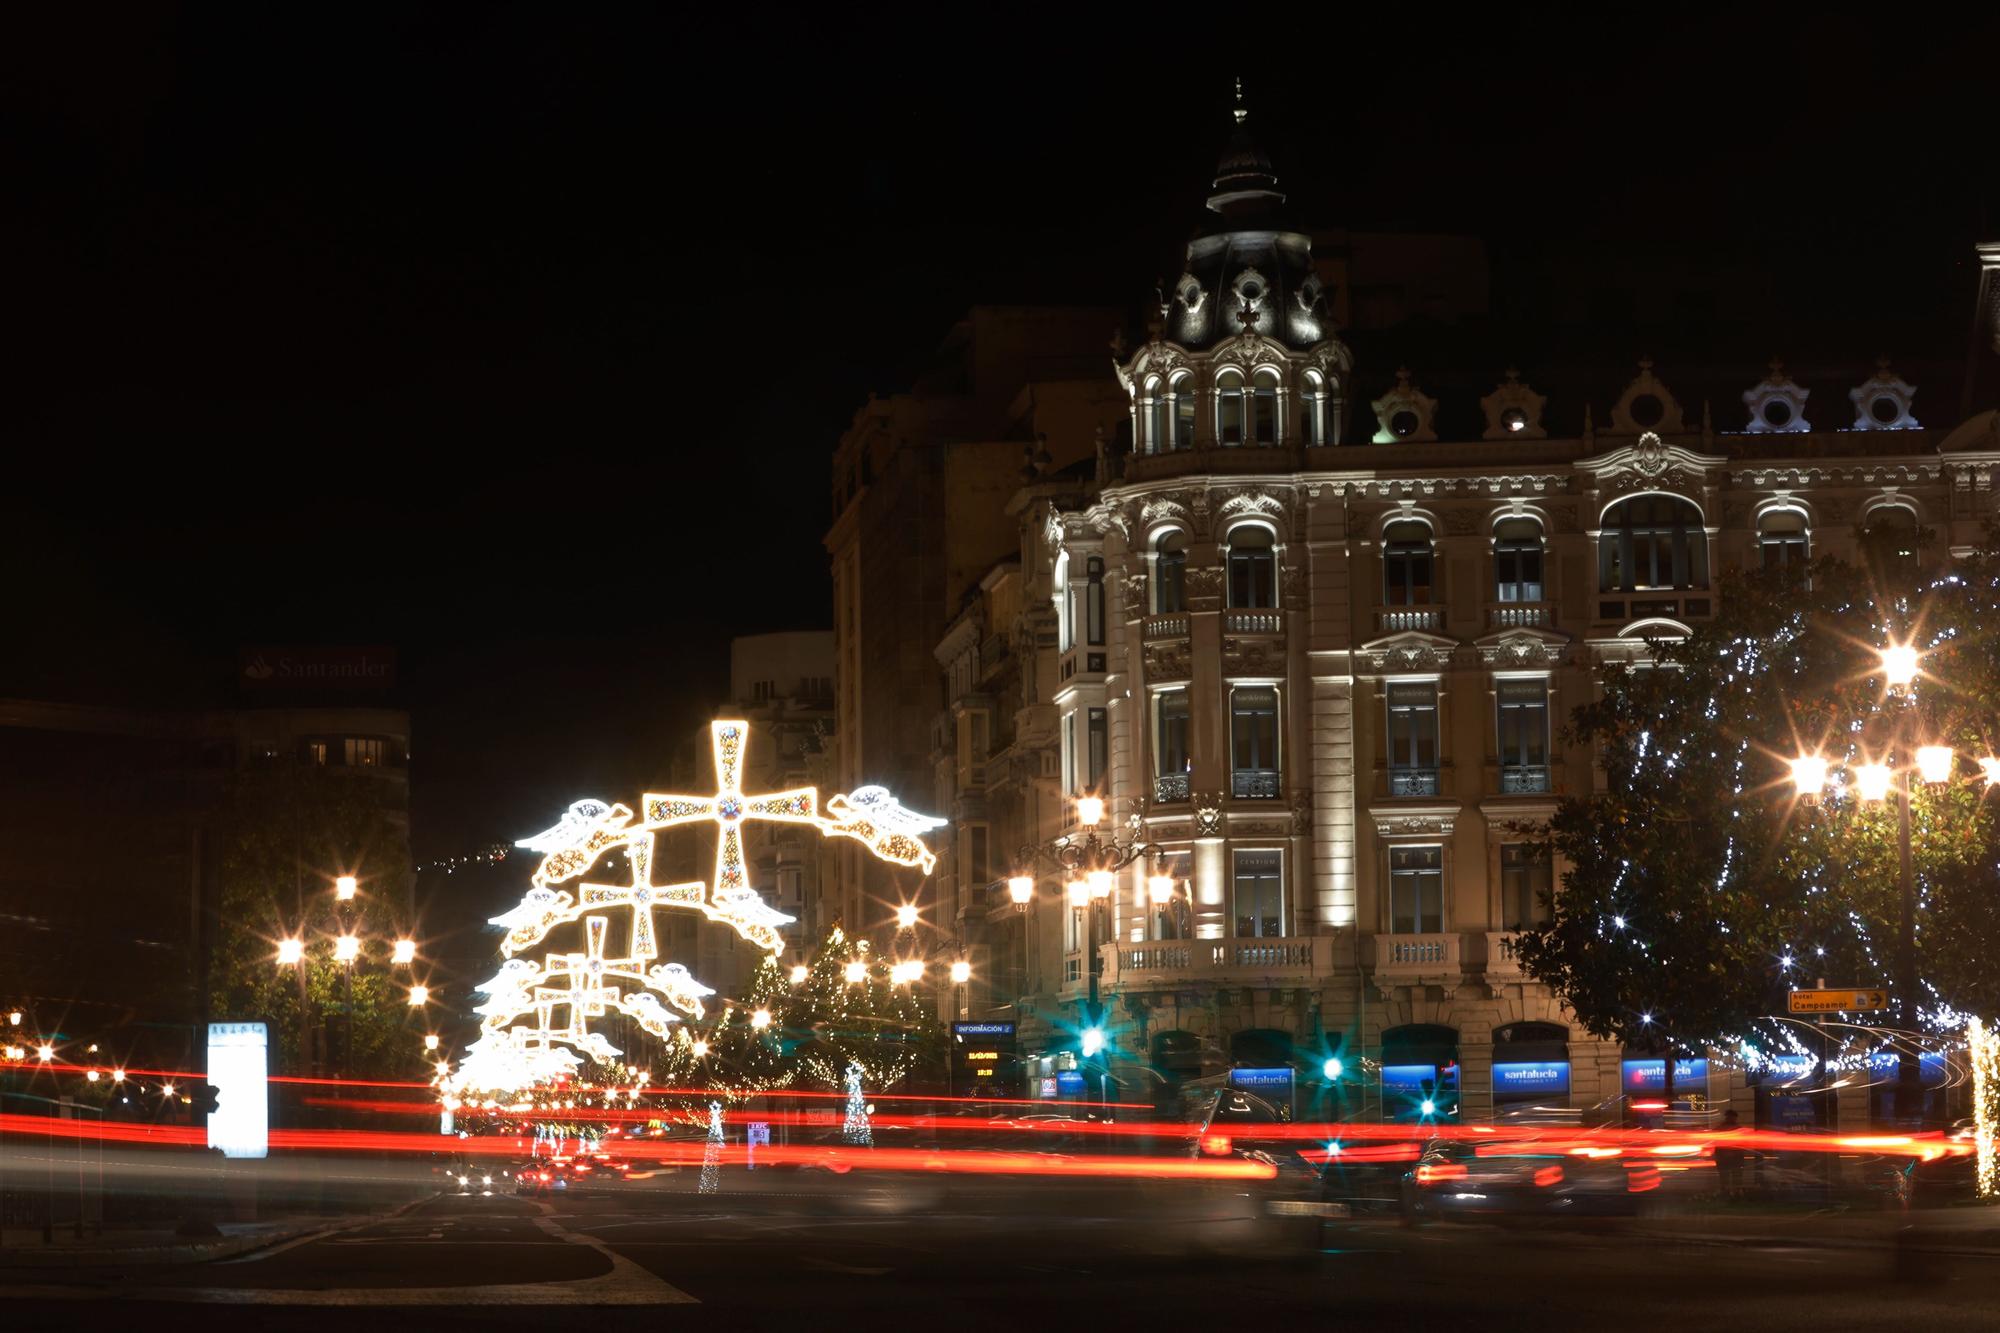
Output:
(1269, 960)
(1403, 958)
(1403, 619)
(1521, 615)
(1503, 964)
(1170, 789)
(1254, 784)
(1524, 779)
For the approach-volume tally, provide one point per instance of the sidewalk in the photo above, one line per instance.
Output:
(123, 1247)
(1970, 1229)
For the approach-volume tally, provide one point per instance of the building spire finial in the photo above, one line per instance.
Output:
(1242, 112)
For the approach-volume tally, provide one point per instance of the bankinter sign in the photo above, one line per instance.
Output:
(294, 668)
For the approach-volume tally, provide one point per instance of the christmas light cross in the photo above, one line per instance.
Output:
(642, 896)
(731, 899)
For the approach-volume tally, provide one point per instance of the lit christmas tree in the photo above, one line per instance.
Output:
(857, 1128)
(711, 1156)
(662, 998)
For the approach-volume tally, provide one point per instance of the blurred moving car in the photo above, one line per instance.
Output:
(1454, 1178)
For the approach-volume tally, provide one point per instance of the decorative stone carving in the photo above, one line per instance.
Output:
(1292, 588)
(1460, 522)
(1513, 411)
(1052, 528)
(1883, 402)
(1302, 813)
(1252, 657)
(1409, 656)
(1135, 596)
(1167, 659)
(1778, 404)
(1415, 826)
(1647, 405)
(1404, 413)
(1161, 510)
(1207, 813)
(1252, 502)
(1203, 581)
(1523, 650)
(1565, 517)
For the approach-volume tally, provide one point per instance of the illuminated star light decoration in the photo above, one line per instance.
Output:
(1982, 1041)
(511, 1053)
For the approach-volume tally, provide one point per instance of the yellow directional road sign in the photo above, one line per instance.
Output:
(1838, 1001)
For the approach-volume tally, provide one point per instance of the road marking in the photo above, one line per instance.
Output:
(831, 1266)
(626, 1284)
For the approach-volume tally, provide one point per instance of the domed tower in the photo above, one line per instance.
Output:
(1244, 353)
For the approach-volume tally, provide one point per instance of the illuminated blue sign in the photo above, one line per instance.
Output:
(1264, 1079)
(1415, 1080)
(1930, 1066)
(1069, 1083)
(1651, 1075)
(982, 1029)
(1531, 1077)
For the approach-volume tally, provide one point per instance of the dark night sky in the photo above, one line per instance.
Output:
(442, 331)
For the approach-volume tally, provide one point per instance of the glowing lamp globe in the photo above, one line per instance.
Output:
(1021, 888)
(906, 916)
(961, 972)
(1160, 888)
(419, 995)
(700, 1048)
(856, 973)
(347, 948)
(1079, 892)
(404, 952)
(1990, 766)
(117, 1076)
(91, 1075)
(345, 887)
(1099, 883)
(45, 1052)
(1873, 780)
(1331, 1068)
(1899, 665)
(761, 1019)
(1934, 762)
(799, 974)
(1090, 810)
(1809, 775)
(1429, 1107)
(1093, 1041)
(430, 1041)
(14, 1017)
(291, 951)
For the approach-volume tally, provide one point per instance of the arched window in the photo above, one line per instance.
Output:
(1229, 407)
(1517, 560)
(1782, 540)
(1170, 572)
(1889, 541)
(1264, 408)
(1153, 405)
(1652, 542)
(1181, 390)
(1406, 564)
(1253, 567)
(1312, 411)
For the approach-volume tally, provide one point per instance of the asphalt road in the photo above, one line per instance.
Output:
(1009, 1255)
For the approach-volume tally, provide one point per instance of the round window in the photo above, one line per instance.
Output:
(1403, 424)
(1251, 291)
(1647, 409)
(1885, 409)
(1514, 419)
(1777, 412)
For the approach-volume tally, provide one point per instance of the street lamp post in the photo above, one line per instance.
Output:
(1089, 866)
(1875, 780)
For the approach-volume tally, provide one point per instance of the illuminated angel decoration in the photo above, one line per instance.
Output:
(580, 986)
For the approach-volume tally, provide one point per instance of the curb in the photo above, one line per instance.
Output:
(228, 1247)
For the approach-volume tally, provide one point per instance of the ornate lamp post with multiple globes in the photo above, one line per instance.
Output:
(1089, 866)
(1876, 781)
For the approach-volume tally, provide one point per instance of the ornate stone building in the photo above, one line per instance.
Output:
(1322, 656)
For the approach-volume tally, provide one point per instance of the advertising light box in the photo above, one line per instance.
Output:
(238, 1067)
(1531, 1078)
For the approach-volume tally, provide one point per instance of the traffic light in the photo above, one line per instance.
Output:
(205, 1098)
